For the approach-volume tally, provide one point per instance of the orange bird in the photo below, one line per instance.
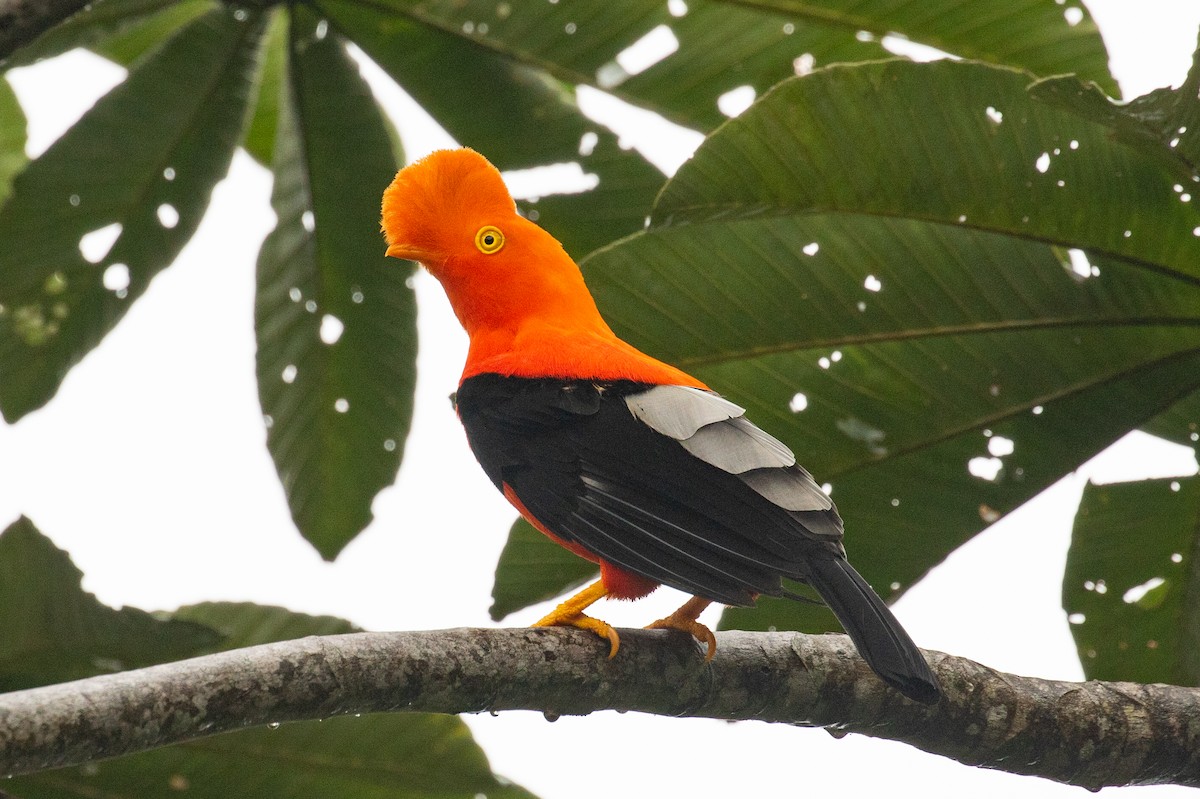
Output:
(620, 458)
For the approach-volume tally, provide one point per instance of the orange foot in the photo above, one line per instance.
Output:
(685, 619)
(570, 614)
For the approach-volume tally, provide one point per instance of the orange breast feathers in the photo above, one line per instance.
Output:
(517, 293)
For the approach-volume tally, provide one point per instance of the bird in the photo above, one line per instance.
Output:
(621, 458)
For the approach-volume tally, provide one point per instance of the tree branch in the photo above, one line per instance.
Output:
(1091, 734)
(22, 21)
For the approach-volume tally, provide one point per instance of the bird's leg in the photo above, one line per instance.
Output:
(570, 614)
(685, 619)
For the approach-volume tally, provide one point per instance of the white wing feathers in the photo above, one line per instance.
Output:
(714, 430)
(679, 411)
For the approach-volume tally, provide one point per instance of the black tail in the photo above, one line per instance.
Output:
(880, 639)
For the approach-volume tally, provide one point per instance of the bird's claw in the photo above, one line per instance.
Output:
(679, 620)
(583, 622)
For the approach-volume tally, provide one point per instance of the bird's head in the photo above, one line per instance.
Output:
(450, 207)
(451, 212)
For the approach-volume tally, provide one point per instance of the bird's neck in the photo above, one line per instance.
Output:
(572, 347)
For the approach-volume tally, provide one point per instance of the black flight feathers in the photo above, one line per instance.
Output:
(673, 484)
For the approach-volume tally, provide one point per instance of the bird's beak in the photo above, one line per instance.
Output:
(408, 252)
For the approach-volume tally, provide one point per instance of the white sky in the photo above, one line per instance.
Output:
(150, 468)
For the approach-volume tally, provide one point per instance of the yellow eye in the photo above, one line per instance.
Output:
(489, 239)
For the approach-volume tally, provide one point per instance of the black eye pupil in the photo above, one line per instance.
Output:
(489, 239)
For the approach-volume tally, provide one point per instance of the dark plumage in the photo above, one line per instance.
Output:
(586, 467)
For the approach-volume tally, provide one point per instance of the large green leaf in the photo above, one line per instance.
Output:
(51, 630)
(720, 46)
(930, 149)
(335, 319)
(1170, 116)
(12, 139)
(145, 157)
(874, 260)
(1131, 586)
(1043, 36)
(375, 757)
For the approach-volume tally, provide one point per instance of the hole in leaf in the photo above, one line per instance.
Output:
(733, 102)
(542, 181)
(647, 51)
(168, 217)
(94, 246)
(1000, 446)
(116, 277)
(331, 329)
(985, 468)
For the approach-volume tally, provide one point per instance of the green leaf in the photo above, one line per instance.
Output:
(877, 267)
(1042, 36)
(931, 150)
(120, 30)
(51, 630)
(1181, 423)
(940, 506)
(12, 139)
(374, 757)
(1131, 588)
(243, 624)
(264, 121)
(145, 157)
(388, 755)
(125, 46)
(532, 569)
(1164, 116)
(720, 46)
(335, 319)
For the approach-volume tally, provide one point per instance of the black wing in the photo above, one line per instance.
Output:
(667, 482)
(673, 484)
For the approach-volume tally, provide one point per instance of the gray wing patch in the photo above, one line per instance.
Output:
(713, 429)
(737, 445)
(679, 411)
(791, 489)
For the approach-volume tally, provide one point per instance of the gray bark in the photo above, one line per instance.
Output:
(1091, 734)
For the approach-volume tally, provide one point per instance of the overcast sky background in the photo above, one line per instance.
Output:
(150, 469)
